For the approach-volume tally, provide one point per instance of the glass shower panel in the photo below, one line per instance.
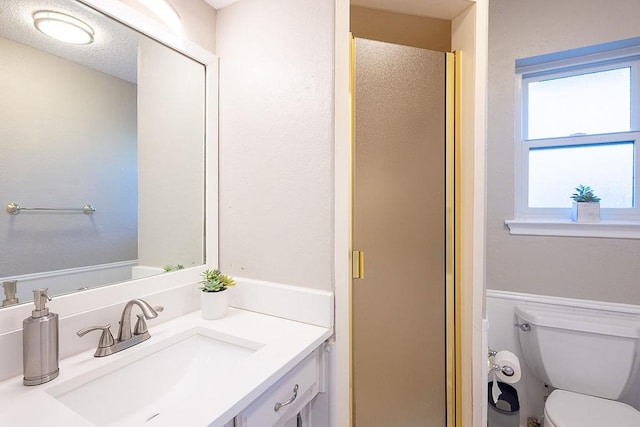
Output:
(399, 223)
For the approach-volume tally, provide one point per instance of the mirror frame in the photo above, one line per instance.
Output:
(69, 304)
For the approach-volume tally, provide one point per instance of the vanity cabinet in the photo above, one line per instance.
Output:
(279, 405)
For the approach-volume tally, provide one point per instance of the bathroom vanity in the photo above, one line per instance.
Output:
(257, 369)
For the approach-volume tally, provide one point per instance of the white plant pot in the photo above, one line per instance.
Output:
(585, 211)
(213, 305)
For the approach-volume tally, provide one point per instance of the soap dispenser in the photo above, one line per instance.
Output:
(10, 289)
(40, 342)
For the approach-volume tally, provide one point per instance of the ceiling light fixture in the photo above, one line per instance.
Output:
(63, 27)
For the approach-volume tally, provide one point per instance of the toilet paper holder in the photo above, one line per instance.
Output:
(506, 370)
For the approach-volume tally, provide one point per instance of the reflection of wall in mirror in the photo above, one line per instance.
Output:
(171, 152)
(68, 137)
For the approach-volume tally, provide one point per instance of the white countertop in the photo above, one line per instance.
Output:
(285, 344)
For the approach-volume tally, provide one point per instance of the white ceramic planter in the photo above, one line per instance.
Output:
(585, 211)
(213, 305)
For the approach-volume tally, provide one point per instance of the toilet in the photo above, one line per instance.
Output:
(590, 357)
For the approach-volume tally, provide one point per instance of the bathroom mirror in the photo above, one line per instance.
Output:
(118, 124)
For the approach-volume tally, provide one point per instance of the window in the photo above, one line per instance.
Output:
(578, 123)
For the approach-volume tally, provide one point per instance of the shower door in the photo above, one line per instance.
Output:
(398, 313)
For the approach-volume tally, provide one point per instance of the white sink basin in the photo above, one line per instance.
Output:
(137, 387)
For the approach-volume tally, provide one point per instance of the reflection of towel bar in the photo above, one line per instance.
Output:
(14, 209)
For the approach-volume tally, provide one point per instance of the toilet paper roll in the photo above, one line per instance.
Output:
(507, 358)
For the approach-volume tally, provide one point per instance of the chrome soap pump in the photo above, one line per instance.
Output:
(40, 342)
(10, 289)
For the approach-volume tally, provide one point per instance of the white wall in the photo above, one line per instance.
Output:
(276, 141)
(68, 137)
(596, 269)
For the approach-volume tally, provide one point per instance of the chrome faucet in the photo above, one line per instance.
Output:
(108, 345)
(124, 332)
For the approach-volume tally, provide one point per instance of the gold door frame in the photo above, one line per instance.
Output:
(452, 240)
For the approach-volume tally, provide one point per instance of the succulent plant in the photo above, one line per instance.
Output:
(168, 268)
(215, 281)
(584, 193)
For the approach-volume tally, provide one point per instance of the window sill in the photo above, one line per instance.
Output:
(603, 229)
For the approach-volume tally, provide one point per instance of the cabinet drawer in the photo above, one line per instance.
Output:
(262, 413)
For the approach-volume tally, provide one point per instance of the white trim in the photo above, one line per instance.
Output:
(584, 55)
(481, 77)
(470, 38)
(340, 383)
(289, 302)
(565, 302)
(485, 371)
(604, 229)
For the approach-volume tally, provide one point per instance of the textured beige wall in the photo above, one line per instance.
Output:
(408, 30)
(276, 141)
(597, 269)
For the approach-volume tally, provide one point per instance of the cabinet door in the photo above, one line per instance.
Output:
(279, 406)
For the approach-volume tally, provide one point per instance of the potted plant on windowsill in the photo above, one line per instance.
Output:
(586, 205)
(214, 298)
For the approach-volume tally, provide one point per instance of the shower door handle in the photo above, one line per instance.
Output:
(357, 265)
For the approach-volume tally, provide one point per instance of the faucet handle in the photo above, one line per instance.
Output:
(106, 342)
(141, 326)
(141, 323)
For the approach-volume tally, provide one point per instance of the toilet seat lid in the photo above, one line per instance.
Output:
(567, 409)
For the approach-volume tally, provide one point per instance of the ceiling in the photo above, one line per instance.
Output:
(114, 50)
(443, 9)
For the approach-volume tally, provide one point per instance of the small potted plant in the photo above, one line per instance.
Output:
(214, 299)
(170, 268)
(586, 205)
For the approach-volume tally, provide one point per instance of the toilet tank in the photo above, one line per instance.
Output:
(586, 351)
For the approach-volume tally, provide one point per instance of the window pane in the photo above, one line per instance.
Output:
(590, 103)
(606, 168)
